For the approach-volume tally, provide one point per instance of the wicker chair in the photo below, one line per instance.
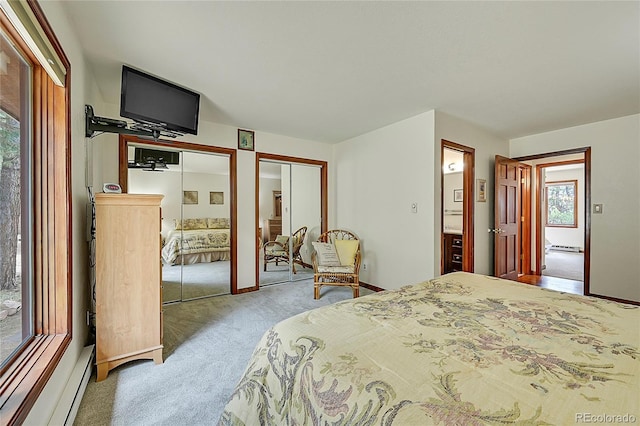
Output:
(278, 251)
(347, 276)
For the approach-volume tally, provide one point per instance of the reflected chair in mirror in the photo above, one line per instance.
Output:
(336, 261)
(278, 251)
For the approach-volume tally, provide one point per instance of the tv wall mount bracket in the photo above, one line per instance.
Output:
(95, 125)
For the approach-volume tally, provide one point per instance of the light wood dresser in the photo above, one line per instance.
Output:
(128, 280)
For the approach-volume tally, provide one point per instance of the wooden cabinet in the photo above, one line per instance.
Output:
(128, 280)
(274, 228)
(452, 253)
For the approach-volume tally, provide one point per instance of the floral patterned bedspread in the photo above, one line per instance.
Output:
(194, 241)
(461, 349)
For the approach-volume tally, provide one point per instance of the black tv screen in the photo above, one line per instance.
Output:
(147, 98)
(144, 155)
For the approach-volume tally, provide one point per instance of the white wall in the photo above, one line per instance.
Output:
(377, 176)
(573, 237)
(83, 90)
(615, 183)
(486, 146)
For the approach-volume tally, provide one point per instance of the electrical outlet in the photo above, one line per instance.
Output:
(364, 266)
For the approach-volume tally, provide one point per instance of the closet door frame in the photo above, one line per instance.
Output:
(123, 160)
(323, 196)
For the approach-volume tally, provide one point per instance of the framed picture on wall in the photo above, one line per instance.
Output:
(246, 139)
(189, 197)
(216, 197)
(457, 195)
(482, 191)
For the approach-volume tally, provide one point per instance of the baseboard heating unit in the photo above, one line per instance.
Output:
(68, 405)
(565, 248)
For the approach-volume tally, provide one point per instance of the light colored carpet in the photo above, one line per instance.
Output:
(207, 344)
(280, 273)
(198, 280)
(213, 278)
(564, 264)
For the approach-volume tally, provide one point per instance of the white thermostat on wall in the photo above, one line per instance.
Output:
(112, 188)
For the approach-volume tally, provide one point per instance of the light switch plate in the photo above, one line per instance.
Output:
(597, 209)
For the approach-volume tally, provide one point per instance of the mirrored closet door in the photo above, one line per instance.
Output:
(290, 218)
(196, 239)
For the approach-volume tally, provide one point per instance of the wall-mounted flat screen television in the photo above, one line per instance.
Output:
(144, 155)
(144, 97)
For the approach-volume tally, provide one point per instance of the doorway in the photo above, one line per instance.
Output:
(457, 173)
(290, 214)
(552, 247)
(198, 212)
(560, 221)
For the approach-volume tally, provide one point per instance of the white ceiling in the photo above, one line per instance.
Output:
(329, 71)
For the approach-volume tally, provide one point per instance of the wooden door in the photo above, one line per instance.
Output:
(507, 218)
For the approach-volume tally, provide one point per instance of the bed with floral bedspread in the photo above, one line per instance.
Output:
(197, 240)
(460, 349)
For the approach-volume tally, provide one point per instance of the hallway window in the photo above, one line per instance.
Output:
(562, 203)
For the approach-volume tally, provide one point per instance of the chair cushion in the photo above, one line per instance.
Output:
(282, 239)
(275, 251)
(336, 269)
(327, 255)
(347, 251)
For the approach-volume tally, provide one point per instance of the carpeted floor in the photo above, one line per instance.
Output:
(213, 278)
(564, 264)
(207, 344)
(198, 280)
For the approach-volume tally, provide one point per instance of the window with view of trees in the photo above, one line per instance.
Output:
(562, 203)
(15, 324)
(35, 207)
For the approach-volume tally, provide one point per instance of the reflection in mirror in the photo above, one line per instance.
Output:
(195, 219)
(290, 216)
(305, 212)
(273, 239)
(452, 186)
(452, 210)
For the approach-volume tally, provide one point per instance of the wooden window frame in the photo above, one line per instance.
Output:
(25, 375)
(575, 203)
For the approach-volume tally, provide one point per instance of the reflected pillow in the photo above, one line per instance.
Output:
(189, 224)
(347, 251)
(327, 255)
(282, 239)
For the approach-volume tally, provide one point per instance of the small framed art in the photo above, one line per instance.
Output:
(189, 197)
(481, 195)
(457, 195)
(246, 139)
(216, 197)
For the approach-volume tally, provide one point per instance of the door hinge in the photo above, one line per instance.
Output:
(522, 181)
(521, 218)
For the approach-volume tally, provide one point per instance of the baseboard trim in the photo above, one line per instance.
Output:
(615, 299)
(67, 408)
(371, 287)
